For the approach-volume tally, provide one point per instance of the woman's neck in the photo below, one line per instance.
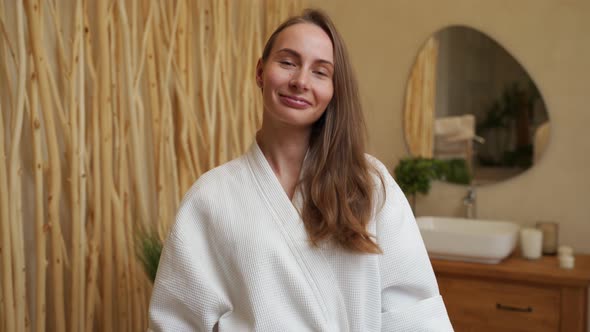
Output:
(285, 150)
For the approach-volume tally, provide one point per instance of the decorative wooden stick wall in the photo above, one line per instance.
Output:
(109, 111)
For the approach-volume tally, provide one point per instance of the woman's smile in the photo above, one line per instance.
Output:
(294, 101)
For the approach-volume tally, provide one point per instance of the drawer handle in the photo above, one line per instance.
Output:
(511, 308)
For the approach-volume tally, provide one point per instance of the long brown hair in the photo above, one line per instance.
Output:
(337, 185)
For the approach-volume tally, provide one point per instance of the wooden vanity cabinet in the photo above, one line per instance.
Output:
(515, 295)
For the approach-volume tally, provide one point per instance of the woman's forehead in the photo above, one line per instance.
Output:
(307, 40)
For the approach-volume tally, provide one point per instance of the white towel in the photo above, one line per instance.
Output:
(455, 128)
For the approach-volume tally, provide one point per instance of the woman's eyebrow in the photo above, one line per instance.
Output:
(297, 55)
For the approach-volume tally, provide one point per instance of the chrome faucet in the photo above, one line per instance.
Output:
(470, 202)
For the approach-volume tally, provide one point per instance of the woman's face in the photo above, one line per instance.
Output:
(296, 79)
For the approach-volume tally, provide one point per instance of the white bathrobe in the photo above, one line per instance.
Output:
(238, 259)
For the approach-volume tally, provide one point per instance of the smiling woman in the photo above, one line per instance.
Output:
(296, 77)
(304, 232)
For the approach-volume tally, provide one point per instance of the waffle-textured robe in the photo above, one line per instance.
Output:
(238, 259)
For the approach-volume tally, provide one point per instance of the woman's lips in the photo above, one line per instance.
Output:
(294, 102)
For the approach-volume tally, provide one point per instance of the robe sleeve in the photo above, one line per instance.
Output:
(410, 299)
(188, 293)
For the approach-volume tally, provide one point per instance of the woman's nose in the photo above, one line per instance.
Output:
(299, 80)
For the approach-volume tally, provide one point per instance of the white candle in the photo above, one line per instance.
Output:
(566, 262)
(531, 242)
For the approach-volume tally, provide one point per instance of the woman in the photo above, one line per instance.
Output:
(304, 232)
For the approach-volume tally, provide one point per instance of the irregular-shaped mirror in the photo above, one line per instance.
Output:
(470, 104)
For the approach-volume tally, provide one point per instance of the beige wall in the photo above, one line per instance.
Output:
(551, 39)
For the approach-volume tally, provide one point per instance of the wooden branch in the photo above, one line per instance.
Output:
(106, 167)
(144, 46)
(203, 95)
(83, 158)
(96, 218)
(195, 133)
(58, 104)
(16, 179)
(40, 226)
(54, 181)
(125, 97)
(6, 244)
(154, 91)
(76, 175)
(10, 49)
(138, 150)
(7, 51)
(88, 44)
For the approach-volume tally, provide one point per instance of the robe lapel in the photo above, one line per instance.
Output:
(312, 262)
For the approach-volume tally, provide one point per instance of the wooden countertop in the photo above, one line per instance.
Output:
(544, 270)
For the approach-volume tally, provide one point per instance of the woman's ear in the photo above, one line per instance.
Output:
(259, 66)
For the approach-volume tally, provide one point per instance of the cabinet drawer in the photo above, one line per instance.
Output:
(499, 306)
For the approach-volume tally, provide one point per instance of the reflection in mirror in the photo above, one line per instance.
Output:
(470, 103)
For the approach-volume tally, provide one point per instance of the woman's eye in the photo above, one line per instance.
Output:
(321, 73)
(287, 63)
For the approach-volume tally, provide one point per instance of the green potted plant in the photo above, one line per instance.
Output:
(413, 175)
(149, 248)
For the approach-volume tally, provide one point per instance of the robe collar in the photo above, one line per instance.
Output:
(271, 187)
(320, 275)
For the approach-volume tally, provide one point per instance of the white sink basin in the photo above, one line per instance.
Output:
(470, 240)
